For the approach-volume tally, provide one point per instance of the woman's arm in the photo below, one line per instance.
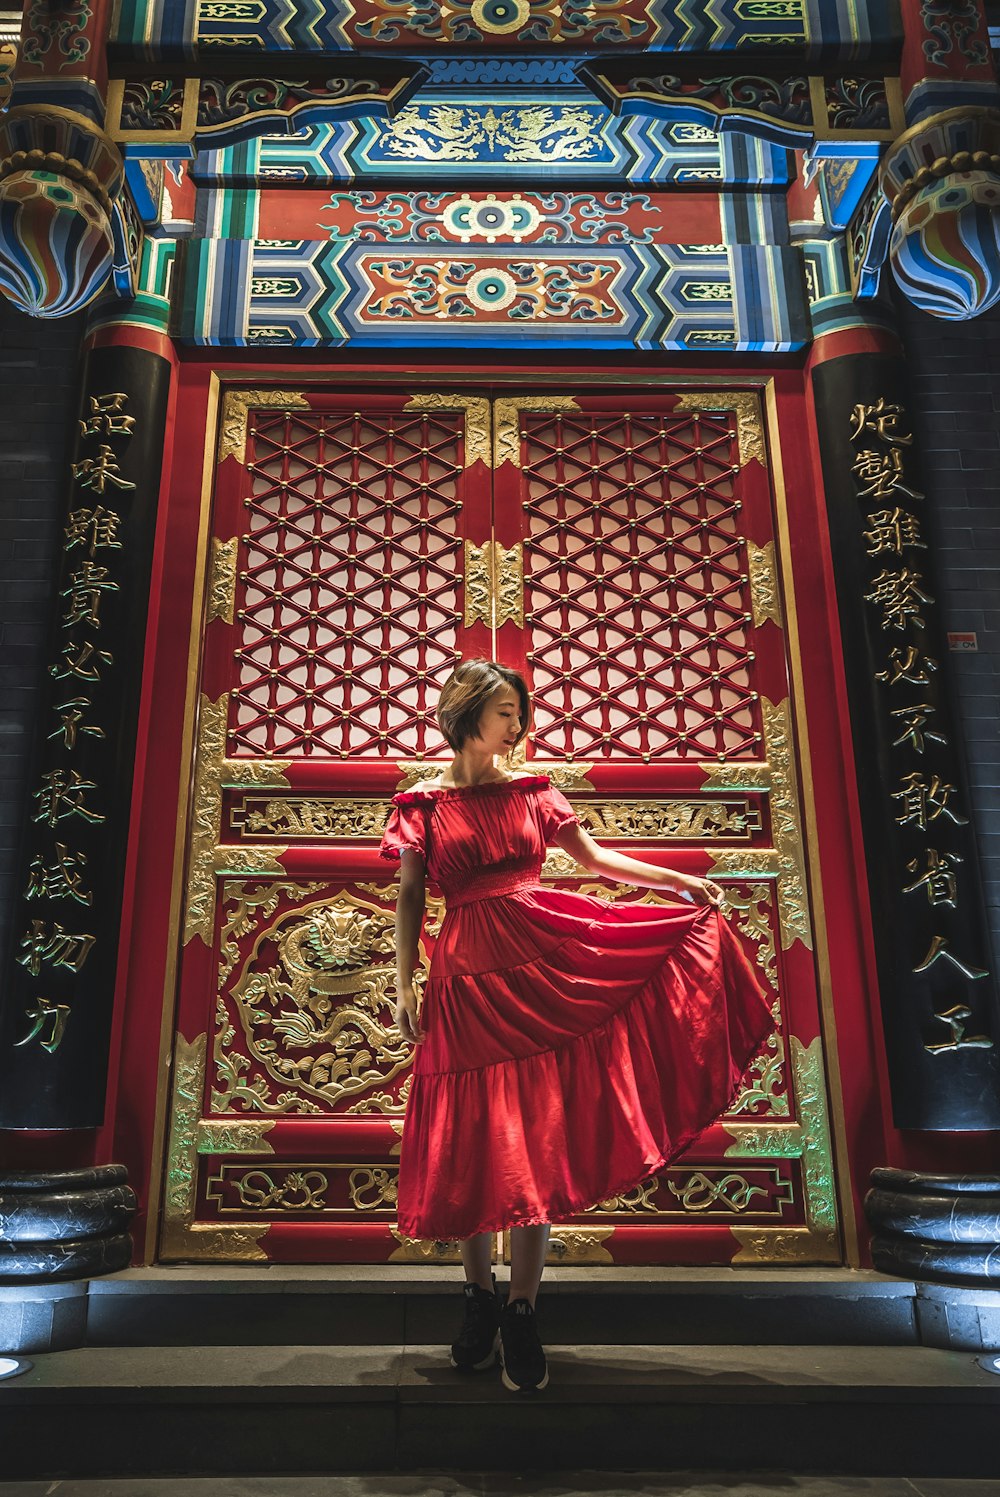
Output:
(410, 902)
(608, 864)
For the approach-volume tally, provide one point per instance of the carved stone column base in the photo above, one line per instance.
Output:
(68, 1224)
(943, 1231)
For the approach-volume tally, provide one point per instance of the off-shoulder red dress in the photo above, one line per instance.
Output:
(573, 1046)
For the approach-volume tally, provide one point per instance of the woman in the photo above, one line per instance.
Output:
(567, 1048)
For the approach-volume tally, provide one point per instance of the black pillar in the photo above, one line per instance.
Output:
(56, 1004)
(938, 990)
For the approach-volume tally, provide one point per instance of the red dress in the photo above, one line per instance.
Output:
(573, 1047)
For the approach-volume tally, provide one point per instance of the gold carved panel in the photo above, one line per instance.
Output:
(303, 1014)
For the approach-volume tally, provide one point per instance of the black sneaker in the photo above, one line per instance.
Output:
(521, 1354)
(476, 1345)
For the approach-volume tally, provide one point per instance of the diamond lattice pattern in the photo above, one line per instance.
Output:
(636, 588)
(349, 583)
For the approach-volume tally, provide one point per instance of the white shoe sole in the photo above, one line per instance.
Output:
(509, 1383)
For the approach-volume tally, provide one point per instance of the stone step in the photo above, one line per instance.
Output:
(227, 1410)
(480, 1483)
(380, 1305)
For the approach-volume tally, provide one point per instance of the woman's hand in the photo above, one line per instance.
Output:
(701, 890)
(405, 1016)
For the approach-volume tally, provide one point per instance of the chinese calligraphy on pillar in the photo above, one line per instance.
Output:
(936, 987)
(926, 801)
(56, 1003)
(68, 797)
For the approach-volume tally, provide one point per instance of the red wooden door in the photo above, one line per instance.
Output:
(620, 550)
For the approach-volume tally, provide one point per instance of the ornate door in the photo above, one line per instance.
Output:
(625, 561)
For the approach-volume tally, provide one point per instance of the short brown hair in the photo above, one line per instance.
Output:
(466, 692)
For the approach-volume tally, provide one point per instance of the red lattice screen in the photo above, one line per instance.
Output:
(349, 591)
(636, 590)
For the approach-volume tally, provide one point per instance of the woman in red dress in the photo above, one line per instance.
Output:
(566, 1048)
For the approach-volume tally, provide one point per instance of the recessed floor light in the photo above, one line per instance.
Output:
(14, 1366)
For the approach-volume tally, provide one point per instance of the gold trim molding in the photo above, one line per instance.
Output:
(478, 584)
(749, 421)
(736, 776)
(236, 406)
(207, 858)
(507, 422)
(817, 1242)
(182, 1239)
(244, 1137)
(786, 820)
(477, 445)
(765, 599)
(222, 580)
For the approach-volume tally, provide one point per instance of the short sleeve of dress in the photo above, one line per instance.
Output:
(556, 812)
(406, 827)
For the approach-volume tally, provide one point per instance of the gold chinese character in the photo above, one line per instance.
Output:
(922, 803)
(880, 419)
(86, 585)
(60, 798)
(905, 668)
(97, 472)
(94, 528)
(892, 529)
(956, 1019)
(78, 665)
(939, 947)
(63, 880)
(915, 731)
(881, 473)
(57, 946)
(44, 1010)
(938, 878)
(72, 724)
(107, 417)
(900, 595)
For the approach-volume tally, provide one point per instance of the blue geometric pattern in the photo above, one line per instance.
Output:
(502, 141)
(327, 294)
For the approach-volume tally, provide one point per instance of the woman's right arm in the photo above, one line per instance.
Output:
(409, 921)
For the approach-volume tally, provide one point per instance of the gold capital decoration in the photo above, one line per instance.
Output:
(746, 407)
(236, 406)
(507, 422)
(477, 445)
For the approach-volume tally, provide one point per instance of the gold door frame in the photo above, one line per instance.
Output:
(810, 1138)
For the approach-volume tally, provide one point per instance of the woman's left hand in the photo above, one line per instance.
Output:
(701, 890)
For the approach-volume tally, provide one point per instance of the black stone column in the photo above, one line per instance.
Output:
(58, 989)
(938, 988)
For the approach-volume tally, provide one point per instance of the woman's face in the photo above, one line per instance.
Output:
(500, 721)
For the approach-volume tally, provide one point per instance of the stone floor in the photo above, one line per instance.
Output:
(505, 1484)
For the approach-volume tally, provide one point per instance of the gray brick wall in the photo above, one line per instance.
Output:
(955, 376)
(38, 395)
